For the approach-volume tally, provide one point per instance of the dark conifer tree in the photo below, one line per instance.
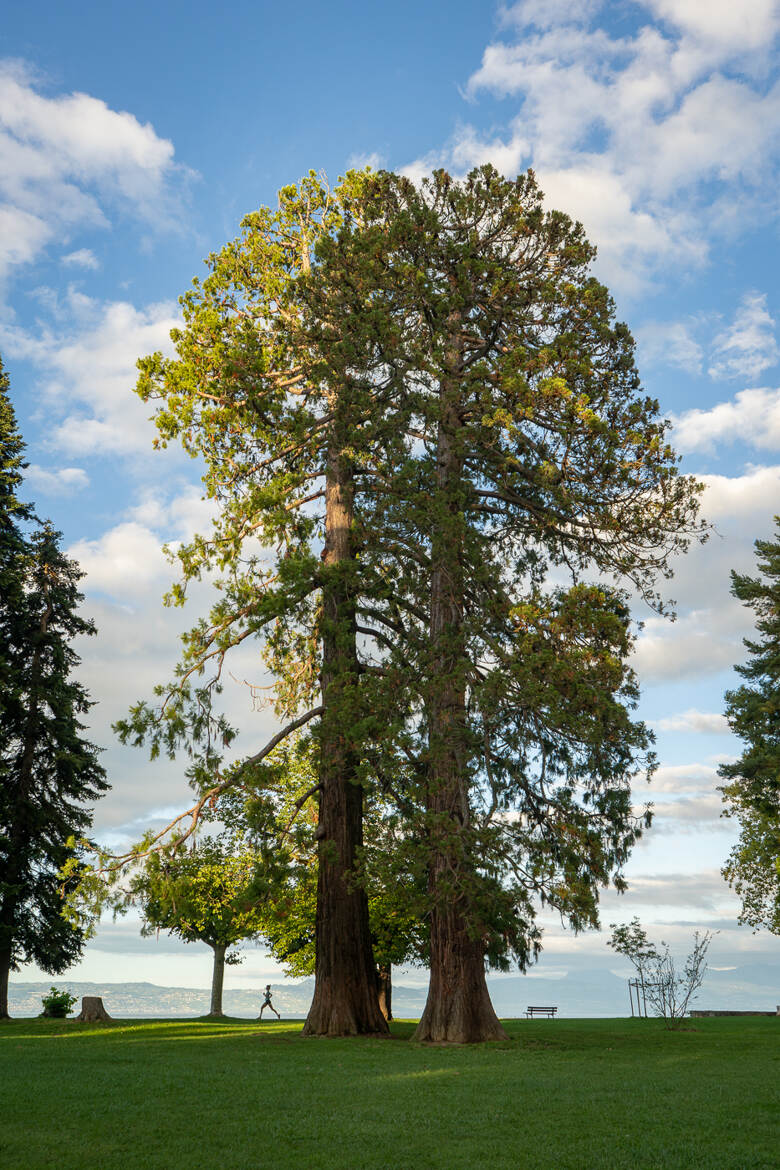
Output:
(752, 791)
(48, 771)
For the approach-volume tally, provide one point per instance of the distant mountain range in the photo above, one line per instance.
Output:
(584, 990)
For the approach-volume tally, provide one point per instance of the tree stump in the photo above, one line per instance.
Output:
(92, 1009)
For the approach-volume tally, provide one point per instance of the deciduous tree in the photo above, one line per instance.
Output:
(206, 893)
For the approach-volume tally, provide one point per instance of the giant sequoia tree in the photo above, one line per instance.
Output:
(282, 439)
(752, 789)
(425, 386)
(536, 453)
(48, 770)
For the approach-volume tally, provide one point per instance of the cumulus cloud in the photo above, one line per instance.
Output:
(703, 722)
(752, 24)
(685, 779)
(633, 134)
(66, 160)
(748, 346)
(705, 889)
(708, 636)
(126, 575)
(88, 361)
(62, 480)
(735, 497)
(702, 642)
(126, 559)
(373, 159)
(670, 342)
(685, 798)
(81, 258)
(689, 814)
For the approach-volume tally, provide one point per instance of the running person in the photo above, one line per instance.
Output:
(267, 1004)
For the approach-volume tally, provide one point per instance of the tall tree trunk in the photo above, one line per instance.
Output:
(384, 977)
(217, 979)
(5, 968)
(345, 997)
(458, 1008)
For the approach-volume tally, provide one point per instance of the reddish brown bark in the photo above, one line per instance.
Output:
(458, 1008)
(345, 995)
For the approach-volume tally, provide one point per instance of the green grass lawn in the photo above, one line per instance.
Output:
(238, 1094)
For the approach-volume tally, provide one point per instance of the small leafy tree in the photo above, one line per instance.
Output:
(752, 791)
(668, 990)
(631, 940)
(207, 893)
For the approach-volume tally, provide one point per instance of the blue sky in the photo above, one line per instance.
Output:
(133, 139)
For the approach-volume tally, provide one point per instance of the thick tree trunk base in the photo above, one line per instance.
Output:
(458, 1009)
(459, 1018)
(92, 1009)
(346, 1009)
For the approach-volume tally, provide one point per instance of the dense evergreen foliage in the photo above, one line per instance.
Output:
(49, 773)
(752, 791)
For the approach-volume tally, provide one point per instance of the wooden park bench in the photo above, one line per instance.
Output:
(530, 1012)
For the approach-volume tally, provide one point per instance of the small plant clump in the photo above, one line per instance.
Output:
(57, 1004)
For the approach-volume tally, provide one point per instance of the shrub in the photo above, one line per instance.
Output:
(57, 1004)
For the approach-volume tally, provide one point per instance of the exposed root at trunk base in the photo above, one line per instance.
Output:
(458, 1009)
(339, 1020)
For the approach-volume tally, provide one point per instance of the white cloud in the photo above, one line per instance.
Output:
(670, 342)
(547, 13)
(708, 636)
(735, 497)
(373, 159)
(65, 160)
(22, 236)
(81, 258)
(704, 722)
(748, 346)
(126, 559)
(636, 134)
(684, 779)
(752, 416)
(689, 813)
(64, 480)
(702, 642)
(89, 368)
(751, 24)
(706, 890)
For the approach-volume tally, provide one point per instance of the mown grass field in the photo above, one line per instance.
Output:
(239, 1094)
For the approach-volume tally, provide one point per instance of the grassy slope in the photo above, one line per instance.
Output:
(561, 1093)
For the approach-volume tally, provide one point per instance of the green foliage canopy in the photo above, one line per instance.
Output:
(752, 789)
